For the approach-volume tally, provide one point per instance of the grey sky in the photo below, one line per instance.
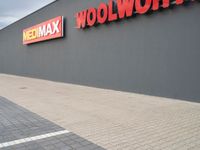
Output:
(13, 10)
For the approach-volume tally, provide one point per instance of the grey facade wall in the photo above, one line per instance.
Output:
(157, 54)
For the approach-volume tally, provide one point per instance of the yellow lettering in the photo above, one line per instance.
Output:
(30, 34)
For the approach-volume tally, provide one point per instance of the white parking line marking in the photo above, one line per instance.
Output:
(34, 138)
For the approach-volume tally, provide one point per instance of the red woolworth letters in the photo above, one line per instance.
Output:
(124, 8)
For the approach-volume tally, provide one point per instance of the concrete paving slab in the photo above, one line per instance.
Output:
(18, 123)
(22, 129)
(111, 119)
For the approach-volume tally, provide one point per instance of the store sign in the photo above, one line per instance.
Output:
(119, 9)
(47, 30)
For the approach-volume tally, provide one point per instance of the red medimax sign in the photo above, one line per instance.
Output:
(119, 9)
(47, 30)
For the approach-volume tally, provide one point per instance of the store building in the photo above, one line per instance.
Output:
(151, 48)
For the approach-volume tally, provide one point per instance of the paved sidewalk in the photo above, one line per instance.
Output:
(111, 119)
(21, 129)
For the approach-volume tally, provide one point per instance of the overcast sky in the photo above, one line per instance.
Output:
(12, 10)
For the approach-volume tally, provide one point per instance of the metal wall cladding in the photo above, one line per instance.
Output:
(155, 54)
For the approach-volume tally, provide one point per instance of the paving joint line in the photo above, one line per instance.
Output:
(34, 138)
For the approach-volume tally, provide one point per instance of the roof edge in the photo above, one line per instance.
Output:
(28, 15)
